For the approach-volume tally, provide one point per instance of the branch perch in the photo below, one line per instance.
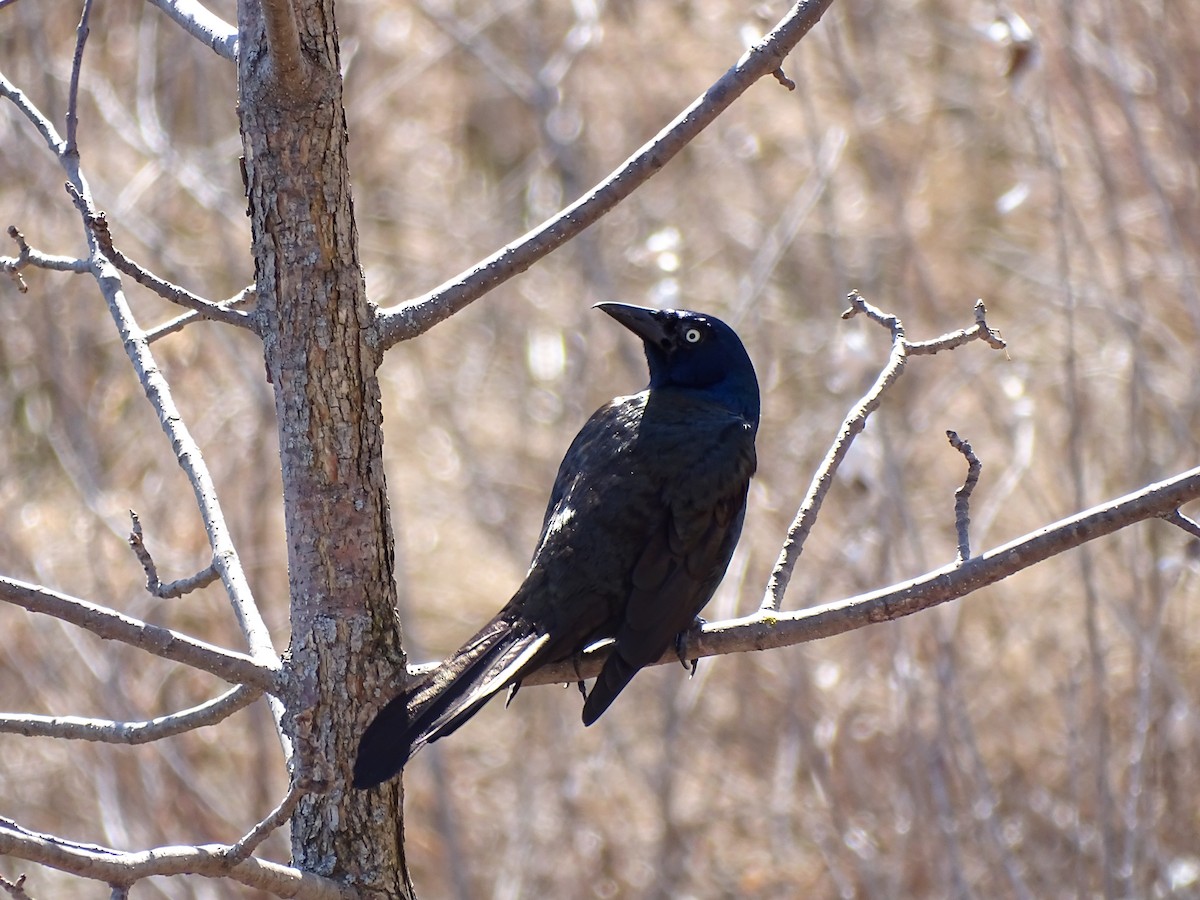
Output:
(766, 630)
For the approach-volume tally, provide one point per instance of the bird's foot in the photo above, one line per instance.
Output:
(681, 642)
(576, 661)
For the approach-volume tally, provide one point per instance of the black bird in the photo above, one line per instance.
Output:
(642, 521)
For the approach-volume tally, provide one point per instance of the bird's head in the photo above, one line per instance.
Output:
(692, 350)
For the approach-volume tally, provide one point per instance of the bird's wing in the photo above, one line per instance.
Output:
(684, 556)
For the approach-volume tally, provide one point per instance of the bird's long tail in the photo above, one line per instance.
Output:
(495, 658)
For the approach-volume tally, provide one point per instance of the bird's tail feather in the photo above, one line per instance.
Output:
(489, 662)
(617, 673)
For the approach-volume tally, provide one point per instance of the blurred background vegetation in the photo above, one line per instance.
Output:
(1039, 739)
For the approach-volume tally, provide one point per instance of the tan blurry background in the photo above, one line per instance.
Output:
(1039, 739)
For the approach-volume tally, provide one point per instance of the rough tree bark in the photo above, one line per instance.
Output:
(314, 321)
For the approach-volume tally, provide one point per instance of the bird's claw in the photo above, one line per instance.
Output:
(576, 661)
(681, 641)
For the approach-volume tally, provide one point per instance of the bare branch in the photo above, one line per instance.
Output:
(119, 868)
(27, 256)
(242, 297)
(1188, 524)
(236, 668)
(158, 393)
(203, 25)
(417, 316)
(979, 331)
(9, 91)
(242, 849)
(187, 453)
(962, 497)
(165, 289)
(853, 425)
(107, 731)
(178, 588)
(81, 36)
(766, 629)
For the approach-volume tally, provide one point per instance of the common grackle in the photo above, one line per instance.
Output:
(642, 521)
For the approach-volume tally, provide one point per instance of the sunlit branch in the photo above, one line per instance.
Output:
(171, 589)
(203, 25)
(171, 326)
(236, 668)
(116, 867)
(81, 36)
(107, 731)
(417, 316)
(27, 256)
(165, 289)
(856, 421)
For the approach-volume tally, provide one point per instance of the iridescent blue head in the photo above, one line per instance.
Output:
(693, 351)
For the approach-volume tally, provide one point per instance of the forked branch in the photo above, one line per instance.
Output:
(856, 421)
(236, 668)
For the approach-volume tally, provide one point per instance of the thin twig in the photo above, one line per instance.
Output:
(412, 318)
(852, 426)
(962, 496)
(171, 589)
(236, 668)
(27, 256)
(45, 127)
(241, 298)
(1188, 524)
(980, 331)
(107, 731)
(165, 289)
(81, 36)
(242, 849)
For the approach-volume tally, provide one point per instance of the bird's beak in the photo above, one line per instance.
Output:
(645, 323)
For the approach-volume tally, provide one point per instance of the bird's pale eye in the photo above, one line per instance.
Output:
(692, 335)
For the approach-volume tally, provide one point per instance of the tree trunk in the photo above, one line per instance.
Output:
(315, 321)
